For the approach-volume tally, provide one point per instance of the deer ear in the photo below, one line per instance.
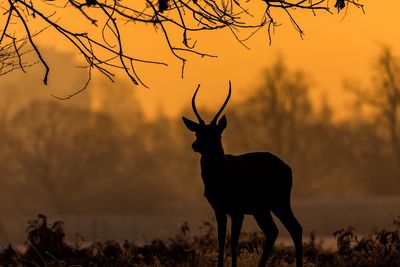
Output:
(222, 123)
(191, 125)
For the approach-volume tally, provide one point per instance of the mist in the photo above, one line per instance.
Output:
(97, 162)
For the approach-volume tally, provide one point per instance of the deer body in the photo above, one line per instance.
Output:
(239, 184)
(255, 183)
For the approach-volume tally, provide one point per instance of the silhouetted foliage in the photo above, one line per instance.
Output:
(45, 243)
(9, 256)
(46, 246)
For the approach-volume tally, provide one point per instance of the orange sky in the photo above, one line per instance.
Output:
(334, 48)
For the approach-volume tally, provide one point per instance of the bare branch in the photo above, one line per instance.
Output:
(80, 90)
(37, 51)
(107, 53)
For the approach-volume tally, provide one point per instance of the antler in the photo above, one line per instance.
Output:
(194, 106)
(214, 121)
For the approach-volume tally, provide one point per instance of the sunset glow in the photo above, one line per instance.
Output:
(334, 48)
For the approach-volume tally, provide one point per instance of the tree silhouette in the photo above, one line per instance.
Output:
(100, 39)
(279, 116)
(384, 97)
(54, 151)
(381, 103)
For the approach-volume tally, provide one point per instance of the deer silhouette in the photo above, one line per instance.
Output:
(253, 183)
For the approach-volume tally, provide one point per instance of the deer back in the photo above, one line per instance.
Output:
(246, 182)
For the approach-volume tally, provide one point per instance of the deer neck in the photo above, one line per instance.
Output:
(212, 164)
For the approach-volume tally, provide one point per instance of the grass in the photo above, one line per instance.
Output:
(46, 246)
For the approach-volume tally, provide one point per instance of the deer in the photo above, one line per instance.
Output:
(255, 183)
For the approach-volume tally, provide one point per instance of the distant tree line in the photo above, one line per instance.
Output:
(62, 158)
(355, 156)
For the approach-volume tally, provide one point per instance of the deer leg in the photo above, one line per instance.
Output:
(237, 221)
(267, 225)
(285, 214)
(221, 223)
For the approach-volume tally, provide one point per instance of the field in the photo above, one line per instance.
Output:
(46, 245)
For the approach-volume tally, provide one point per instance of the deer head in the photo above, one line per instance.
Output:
(208, 136)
